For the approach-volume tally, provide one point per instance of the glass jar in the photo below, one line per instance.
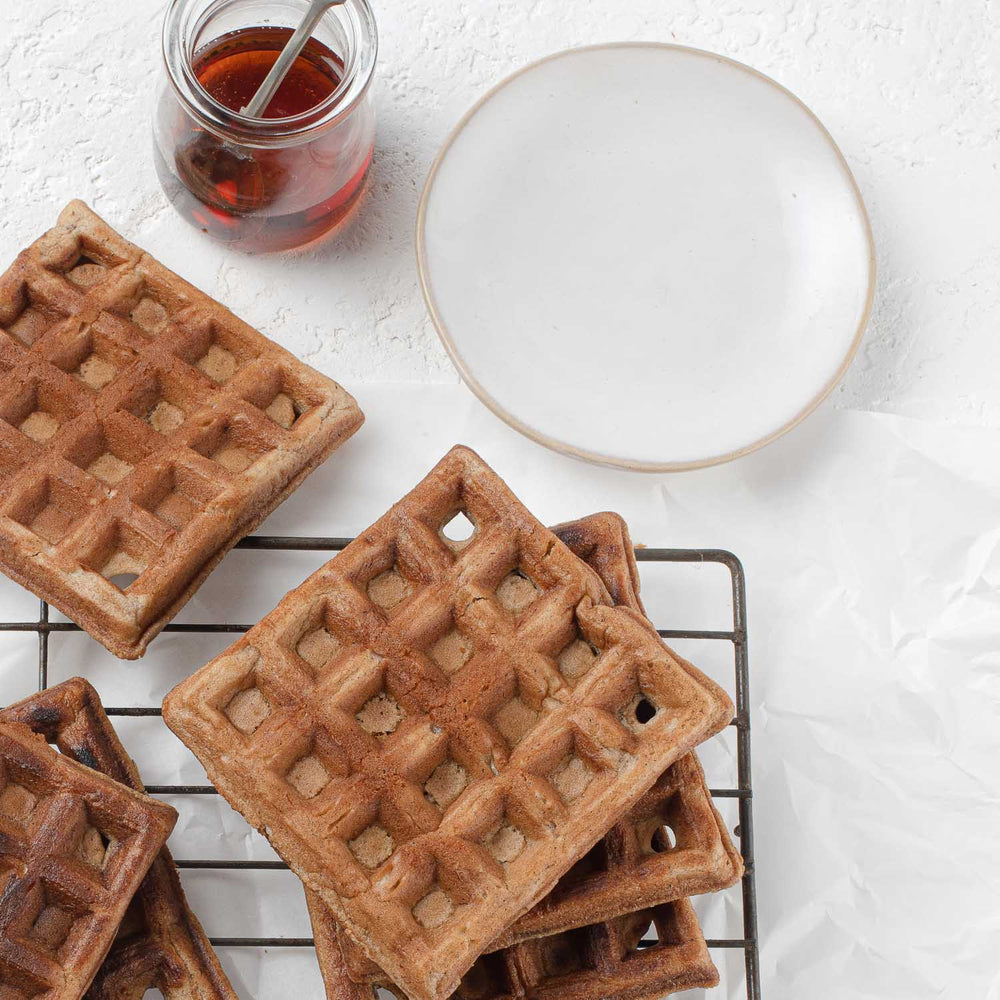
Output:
(273, 182)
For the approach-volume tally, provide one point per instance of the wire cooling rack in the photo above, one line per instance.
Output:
(737, 636)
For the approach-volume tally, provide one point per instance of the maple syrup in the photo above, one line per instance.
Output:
(233, 67)
(273, 182)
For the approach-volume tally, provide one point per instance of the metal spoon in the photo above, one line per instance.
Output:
(291, 52)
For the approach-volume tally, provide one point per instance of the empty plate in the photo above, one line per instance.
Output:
(645, 255)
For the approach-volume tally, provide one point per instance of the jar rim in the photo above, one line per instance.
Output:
(181, 26)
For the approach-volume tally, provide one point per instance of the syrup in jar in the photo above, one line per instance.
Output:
(233, 67)
(273, 182)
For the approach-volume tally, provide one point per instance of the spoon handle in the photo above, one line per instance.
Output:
(291, 52)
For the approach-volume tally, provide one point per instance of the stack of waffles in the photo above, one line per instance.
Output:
(476, 754)
(91, 902)
(144, 430)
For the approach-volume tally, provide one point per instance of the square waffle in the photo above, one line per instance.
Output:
(160, 944)
(602, 961)
(672, 844)
(144, 430)
(406, 731)
(74, 846)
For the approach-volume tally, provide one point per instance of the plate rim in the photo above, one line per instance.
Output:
(562, 447)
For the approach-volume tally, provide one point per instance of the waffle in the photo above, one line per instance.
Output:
(74, 846)
(160, 944)
(673, 843)
(382, 724)
(601, 961)
(144, 430)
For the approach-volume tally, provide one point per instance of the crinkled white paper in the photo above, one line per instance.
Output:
(872, 551)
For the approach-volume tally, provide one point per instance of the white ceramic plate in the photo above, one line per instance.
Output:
(645, 255)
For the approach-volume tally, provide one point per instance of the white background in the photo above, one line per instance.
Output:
(870, 535)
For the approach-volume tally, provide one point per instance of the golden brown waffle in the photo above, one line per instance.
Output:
(144, 430)
(74, 846)
(160, 944)
(672, 844)
(599, 962)
(602, 541)
(417, 732)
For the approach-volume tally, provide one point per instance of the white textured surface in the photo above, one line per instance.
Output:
(910, 90)
(871, 543)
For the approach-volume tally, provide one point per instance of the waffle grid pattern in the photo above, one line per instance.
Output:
(673, 843)
(594, 962)
(163, 947)
(73, 849)
(382, 722)
(276, 948)
(143, 430)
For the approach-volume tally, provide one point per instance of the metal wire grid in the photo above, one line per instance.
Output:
(743, 792)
